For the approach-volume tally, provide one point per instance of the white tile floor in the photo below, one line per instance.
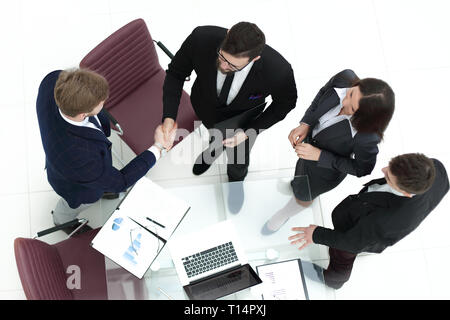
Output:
(406, 43)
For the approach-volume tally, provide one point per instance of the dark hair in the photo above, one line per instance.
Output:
(79, 91)
(244, 39)
(376, 106)
(415, 172)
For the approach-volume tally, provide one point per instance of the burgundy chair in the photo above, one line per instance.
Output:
(128, 60)
(43, 268)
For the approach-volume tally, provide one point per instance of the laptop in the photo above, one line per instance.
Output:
(240, 120)
(211, 263)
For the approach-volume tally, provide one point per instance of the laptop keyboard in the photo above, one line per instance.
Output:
(209, 259)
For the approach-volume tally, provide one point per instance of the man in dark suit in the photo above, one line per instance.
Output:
(74, 135)
(236, 71)
(382, 213)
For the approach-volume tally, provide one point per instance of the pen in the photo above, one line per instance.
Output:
(159, 224)
(164, 293)
(163, 240)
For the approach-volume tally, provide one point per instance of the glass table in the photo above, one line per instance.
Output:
(249, 205)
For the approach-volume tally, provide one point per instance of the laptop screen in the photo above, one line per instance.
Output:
(223, 283)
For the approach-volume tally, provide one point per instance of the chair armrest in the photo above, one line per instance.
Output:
(169, 54)
(114, 122)
(62, 226)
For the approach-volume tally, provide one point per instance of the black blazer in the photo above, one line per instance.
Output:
(336, 141)
(270, 75)
(372, 221)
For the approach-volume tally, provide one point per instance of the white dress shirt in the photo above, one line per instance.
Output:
(384, 188)
(332, 116)
(84, 123)
(236, 85)
(88, 124)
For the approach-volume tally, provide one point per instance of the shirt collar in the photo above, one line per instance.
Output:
(341, 92)
(243, 72)
(75, 123)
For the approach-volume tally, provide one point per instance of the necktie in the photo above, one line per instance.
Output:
(225, 90)
(95, 122)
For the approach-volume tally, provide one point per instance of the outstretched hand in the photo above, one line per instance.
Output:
(237, 139)
(305, 235)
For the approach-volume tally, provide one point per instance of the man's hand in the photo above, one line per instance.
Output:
(237, 139)
(298, 134)
(305, 235)
(307, 152)
(165, 139)
(168, 129)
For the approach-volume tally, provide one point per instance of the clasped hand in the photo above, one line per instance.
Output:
(303, 150)
(165, 134)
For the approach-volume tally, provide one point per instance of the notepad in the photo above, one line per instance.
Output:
(136, 232)
(283, 281)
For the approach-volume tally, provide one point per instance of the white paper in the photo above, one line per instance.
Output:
(282, 281)
(136, 250)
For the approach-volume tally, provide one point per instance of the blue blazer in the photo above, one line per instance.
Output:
(78, 159)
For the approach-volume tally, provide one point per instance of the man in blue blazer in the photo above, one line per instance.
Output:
(74, 135)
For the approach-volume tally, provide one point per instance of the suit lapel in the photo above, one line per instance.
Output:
(368, 184)
(253, 77)
(378, 199)
(341, 128)
(329, 100)
(89, 133)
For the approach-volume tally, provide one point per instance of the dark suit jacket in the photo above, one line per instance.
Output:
(336, 141)
(78, 159)
(270, 75)
(372, 221)
(341, 154)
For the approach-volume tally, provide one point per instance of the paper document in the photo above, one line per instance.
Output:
(283, 281)
(135, 233)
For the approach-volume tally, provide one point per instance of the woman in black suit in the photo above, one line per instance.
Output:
(338, 135)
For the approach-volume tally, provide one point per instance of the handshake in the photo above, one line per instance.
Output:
(165, 133)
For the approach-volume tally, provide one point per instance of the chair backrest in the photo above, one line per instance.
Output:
(127, 58)
(45, 274)
(40, 270)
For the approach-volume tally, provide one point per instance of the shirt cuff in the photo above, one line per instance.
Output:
(155, 151)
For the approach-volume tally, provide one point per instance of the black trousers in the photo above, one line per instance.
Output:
(238, 158)
(339, 269)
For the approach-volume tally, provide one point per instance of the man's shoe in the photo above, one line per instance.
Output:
(110, 195)
(235, 196)
(200, 166)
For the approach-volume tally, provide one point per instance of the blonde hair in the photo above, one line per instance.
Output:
(80, 91)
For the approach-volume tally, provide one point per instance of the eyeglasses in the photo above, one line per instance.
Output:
(232, 66)
(135, 239)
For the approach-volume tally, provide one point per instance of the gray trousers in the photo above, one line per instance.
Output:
(64, 213)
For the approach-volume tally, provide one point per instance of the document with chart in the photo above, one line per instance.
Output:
(283, 281)
(138, 230)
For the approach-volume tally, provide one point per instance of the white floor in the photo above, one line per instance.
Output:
(406, 43)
